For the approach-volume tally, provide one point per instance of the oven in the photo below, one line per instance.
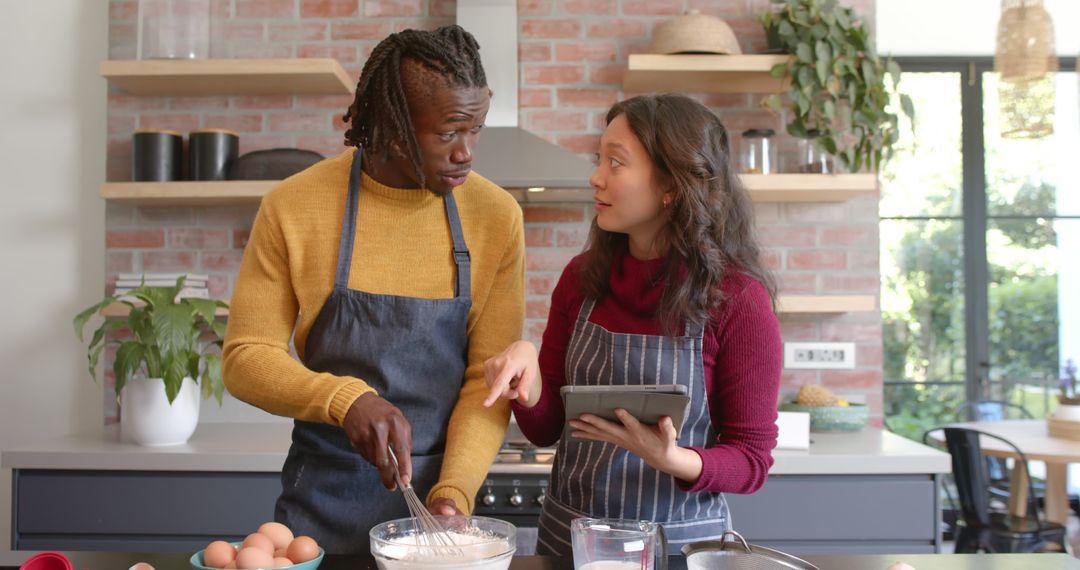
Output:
(515, 487)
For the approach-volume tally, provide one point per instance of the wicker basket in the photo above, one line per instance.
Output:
(1027, 107)
(694, 32)
(1025, 61)
(1025, 41)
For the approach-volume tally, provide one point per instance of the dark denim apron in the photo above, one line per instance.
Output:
(413, 352)
(598, 479)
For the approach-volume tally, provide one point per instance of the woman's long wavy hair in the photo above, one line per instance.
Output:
(710, 228)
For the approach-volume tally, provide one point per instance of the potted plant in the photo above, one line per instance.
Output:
(167, 351)
(1069, 398)
(838, 83)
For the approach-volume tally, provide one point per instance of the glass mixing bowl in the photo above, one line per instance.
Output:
(481, 543)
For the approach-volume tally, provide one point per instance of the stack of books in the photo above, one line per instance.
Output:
(194, 285)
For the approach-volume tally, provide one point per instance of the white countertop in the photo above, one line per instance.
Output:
(255, 447)
(868, 452)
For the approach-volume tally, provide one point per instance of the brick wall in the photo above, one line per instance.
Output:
(573, 54)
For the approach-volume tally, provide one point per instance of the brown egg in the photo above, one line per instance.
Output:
(252, 558)
(278, 533)
(218, 554)
(302, 549)
(260, 541)
(141, 566)
(280, 552)
(282, 562)
(231, 565)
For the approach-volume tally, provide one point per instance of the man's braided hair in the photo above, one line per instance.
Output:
(379, 114)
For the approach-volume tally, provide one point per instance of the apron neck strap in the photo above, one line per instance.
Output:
(693, 330)
(586, 309)
(348, 226)
(462, 284)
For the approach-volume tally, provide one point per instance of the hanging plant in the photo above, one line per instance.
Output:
(838, 83)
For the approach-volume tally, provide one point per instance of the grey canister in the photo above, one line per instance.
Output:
(210, 151)
(156, 155)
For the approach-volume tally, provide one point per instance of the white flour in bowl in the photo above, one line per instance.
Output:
(476, 553)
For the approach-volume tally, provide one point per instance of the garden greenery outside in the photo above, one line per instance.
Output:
(922, 262)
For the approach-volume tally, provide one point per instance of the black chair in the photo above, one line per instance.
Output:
(993, 411)
(979, 527)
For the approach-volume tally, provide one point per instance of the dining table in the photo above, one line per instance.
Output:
(1033, 439)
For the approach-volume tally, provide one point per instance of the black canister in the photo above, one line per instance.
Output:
(210, 151)
(156, 155)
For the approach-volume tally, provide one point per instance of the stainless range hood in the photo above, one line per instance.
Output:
(527, 165)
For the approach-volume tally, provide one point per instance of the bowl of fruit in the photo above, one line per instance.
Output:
(827, 412)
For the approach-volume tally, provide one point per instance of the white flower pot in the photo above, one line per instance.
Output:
(147, 418)
(1067, 412)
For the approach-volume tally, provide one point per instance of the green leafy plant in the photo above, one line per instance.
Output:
(170, 338)
(838, 83)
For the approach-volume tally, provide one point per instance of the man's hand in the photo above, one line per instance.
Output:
(372, 424)
(444, 506)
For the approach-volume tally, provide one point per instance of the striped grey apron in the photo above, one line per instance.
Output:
(598, 479)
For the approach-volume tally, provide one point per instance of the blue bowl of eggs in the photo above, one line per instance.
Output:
(272, 546)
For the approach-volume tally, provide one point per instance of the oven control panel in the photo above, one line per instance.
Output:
(511, 494)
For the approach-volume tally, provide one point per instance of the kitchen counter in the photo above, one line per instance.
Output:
(262, 448)
(95, 492)
(119, 560)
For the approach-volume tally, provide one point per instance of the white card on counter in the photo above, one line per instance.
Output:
(793, 430)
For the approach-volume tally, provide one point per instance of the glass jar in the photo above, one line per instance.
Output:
(757, 153)
(812, 158)
(173, 29)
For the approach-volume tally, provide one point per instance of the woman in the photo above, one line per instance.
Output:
(670, 289)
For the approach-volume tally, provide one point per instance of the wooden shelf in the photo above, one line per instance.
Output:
(792, 304)
(120, 311)
(788, 304)
(320, 76)
(228, 193)
(808, 187)
(762, 187)
(704, 73)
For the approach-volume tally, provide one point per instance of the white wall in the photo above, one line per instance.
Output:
(961, 27)
(52, 156)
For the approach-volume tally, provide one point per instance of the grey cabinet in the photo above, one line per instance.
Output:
(842, 514)
(172, 511)
(147, 511)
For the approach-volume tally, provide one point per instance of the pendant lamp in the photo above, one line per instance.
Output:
(1025, 62)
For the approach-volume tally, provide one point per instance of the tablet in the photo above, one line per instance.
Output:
(646, 402)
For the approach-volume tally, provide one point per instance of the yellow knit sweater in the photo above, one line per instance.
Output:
(402, 247)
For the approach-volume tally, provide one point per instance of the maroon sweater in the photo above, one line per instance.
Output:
(742, 353)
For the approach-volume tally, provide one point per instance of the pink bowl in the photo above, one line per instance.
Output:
(47, 561)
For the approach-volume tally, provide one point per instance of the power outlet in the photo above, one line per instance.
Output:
(819, 355)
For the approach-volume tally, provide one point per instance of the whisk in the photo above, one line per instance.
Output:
(430, 532)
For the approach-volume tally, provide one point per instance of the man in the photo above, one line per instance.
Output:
(397, 271)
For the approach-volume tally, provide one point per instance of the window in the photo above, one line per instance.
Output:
(979, 296)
